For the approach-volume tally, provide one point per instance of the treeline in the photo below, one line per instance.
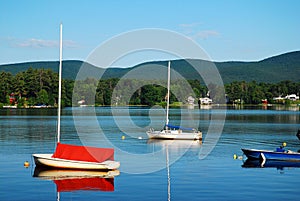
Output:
(40, 87)
(33, 87)
(254, 93)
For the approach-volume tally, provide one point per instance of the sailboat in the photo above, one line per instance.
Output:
(68, 156)
(170, 131)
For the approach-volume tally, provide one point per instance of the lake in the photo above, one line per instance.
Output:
(152, 170)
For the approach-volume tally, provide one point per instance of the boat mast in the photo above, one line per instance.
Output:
(168, 93)
(59, 84)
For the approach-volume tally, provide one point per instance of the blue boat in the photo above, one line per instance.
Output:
(279, 154)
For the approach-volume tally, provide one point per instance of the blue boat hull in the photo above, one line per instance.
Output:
(271, 155)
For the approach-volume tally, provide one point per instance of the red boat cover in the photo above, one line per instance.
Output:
(95, 184)
(83, 153)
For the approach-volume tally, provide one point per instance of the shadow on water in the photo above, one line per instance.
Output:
(279, 165)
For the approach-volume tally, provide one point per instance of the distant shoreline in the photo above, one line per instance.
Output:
(195, 106)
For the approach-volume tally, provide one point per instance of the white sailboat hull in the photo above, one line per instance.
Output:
(174, 135)
(49, 161)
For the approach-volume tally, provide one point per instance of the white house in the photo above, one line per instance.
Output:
(81, 102)
(292, 97)
(191, 100)
(205, 101)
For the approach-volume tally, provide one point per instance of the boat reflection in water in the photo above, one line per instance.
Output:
(174, 149)
(251, 163)
(78, 180)
(175, 146)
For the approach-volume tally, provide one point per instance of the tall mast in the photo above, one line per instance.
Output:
(59, 84)
(168, 93)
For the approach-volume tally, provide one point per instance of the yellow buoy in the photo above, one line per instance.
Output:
(123, 137)
(237, 157)
(26, 164)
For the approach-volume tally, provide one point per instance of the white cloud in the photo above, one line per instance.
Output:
(37, 43)
(206, 34)
(70, 44)
(40, 43)
(188, 29)
(193, 31)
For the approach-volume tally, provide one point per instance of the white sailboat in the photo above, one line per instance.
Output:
(73, 156)
(170, 131)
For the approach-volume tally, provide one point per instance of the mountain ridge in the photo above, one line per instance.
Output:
(273, 69)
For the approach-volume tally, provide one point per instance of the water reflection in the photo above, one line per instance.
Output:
(284, 107)
(280, 165)
(173, 148)
(175, 145)
(77, 180)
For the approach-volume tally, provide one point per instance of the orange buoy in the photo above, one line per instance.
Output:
(26, 164)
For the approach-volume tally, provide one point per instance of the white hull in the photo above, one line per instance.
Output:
(174, 135)
(47, 160)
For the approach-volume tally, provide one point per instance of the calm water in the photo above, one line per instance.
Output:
(216, 177)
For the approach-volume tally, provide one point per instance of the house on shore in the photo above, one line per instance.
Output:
(205, 101)
(292, 97)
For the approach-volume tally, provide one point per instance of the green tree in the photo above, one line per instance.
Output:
(43, 97)
(6, 86)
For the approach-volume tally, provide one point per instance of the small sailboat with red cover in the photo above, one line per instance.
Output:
(68, 156)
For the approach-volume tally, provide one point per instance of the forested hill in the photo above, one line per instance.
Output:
(273, 70)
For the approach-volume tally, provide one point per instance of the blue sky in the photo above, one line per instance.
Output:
(226, 29)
